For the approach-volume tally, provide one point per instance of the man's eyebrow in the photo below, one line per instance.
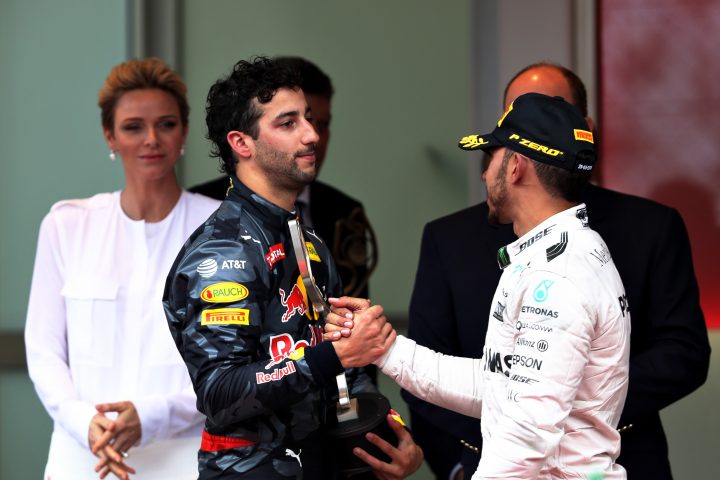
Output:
(290, 114)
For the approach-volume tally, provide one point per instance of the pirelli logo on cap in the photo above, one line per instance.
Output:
(225, 316)
(472, 142)
(583, 135)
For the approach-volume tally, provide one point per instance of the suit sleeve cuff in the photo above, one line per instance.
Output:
(324, 363)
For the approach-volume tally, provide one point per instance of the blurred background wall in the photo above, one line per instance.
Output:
(411, 77)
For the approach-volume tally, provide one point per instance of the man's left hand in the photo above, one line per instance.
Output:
(406, 457)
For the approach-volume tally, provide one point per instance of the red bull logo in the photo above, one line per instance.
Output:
(293, 302)
(296, 302)
(276, 375)
(283, 346)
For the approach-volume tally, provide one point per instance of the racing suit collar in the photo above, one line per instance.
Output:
(270, 213)
(570, 219)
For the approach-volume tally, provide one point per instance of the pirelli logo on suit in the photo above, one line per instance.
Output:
(225, 316)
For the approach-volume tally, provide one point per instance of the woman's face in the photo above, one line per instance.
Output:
(147, 133)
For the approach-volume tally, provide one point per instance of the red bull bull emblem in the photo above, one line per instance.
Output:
(293, 302)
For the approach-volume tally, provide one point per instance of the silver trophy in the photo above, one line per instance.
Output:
(348, 421)
(347, 407)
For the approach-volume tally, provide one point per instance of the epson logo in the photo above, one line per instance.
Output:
(498, 363)
(527, 362)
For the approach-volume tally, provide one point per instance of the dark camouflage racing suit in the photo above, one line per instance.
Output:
(239, 315)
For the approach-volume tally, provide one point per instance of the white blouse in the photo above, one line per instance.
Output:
(96, 332)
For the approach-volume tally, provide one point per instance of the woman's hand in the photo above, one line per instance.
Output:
(115, 437)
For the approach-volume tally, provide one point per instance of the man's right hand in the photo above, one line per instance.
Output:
(371, 334)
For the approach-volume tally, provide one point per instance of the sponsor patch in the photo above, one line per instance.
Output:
(520, 326)
(274, 254)
(534, 238)
(541, 312)
(233, 264)
(296, 301)
(224, 292)
(540, 294)
(225, 316)
(276, 374)
(603, 255)
(583, 135)
(472, 142)
(207, 268)
(283, 346)
(498, 313)
(312, 253)
(522, 379)
(551, 152)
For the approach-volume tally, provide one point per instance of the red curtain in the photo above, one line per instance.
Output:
(659, 120)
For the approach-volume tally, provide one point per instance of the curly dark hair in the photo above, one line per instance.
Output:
(313, 80)
(230, 102)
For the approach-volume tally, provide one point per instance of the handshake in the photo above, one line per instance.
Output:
(360, 332)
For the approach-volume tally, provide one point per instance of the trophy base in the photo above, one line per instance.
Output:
(343, 436)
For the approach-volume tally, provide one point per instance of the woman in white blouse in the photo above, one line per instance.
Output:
(99, 351)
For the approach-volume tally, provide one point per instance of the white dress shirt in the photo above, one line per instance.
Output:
(96, 333)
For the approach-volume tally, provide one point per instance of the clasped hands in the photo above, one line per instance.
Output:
(110, 439)
(360, 332)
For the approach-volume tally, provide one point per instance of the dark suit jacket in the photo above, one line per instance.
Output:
(669, 353)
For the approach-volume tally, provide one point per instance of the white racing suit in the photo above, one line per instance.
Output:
(552, 381)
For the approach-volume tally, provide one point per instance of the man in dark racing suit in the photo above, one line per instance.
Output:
(236, 304)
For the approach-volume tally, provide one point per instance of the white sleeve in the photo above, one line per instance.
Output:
(450, 382)
(166, 416)
(46, 338)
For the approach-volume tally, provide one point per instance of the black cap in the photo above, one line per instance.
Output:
(546, 129)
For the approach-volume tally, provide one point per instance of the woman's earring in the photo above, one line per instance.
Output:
(182, 151)
(112, 155)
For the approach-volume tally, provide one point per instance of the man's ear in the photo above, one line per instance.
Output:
(241, 143)
(517, 167)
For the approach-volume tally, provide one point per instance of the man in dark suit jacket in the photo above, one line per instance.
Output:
(458, 273)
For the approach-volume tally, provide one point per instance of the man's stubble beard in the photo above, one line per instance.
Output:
(282, 169)
(497, 198)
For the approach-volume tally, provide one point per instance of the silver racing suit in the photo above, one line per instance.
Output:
(551, 384)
